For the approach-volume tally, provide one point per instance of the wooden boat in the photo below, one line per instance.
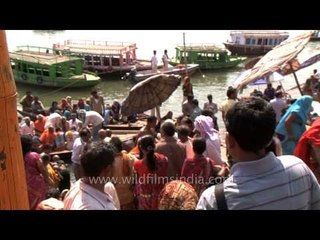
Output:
(104, 57)
(207, 56)
(180, 69)
(315, 36)
(45, 67)
(254, 43)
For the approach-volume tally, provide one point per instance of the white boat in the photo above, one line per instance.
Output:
(254, 42)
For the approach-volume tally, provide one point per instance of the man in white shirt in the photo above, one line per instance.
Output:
(94, 118)
(165, 60)
(278, 104)
(88, 193)
(154, 61)
(259, 180)
(77, 150)
(27, 128)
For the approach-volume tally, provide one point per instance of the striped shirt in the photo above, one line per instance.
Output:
(270, 183)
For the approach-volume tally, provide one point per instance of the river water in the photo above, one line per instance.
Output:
(214, 82)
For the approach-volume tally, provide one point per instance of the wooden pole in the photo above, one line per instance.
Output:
(13, 187)
(296, 79)
(185, 53)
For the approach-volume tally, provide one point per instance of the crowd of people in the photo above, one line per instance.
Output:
(174, 164)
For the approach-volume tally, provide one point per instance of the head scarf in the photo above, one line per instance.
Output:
(178, 195)
(204, 125)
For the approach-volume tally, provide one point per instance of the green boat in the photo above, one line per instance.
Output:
(207, 56)
(47, 67)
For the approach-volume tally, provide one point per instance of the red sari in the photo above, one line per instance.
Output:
(149, 184)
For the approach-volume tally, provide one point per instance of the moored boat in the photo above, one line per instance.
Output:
(180, 69)
(45, 67)
(208, 56)
(254, 42)
(104, 57)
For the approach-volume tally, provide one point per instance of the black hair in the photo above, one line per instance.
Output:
(207, 112)
(84, 132)
(147, 143)
(183, 130)
(231, 91)
(168, 128)
(26, 143)
(195, 102)
(96, 157)
(252, 123)
(45, 157)
(151, 119)
(117, 143)
(199, 145)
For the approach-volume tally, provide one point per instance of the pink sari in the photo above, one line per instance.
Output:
(37, 187)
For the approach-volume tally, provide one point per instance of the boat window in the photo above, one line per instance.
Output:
(31, 70)
(248, 41)
(259, 41)
(275, 41)
(253, 41)
(265, 41)
(38, 71)
(24, 67)
(45, 72)
(270, 41)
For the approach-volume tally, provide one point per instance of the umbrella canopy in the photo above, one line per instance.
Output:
(275, 59)
(273, 77)
(150, 93)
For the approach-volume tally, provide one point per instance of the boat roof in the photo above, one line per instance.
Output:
(261, 33)
(40, 58)
(202, 48)
(96, 47)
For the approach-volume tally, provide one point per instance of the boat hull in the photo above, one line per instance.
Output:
(179, 69)
(247, 50)
(214, 65)
(82, 81)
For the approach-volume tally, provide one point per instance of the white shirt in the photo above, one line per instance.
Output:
(154, 60)
(27, 130)
(94, 118)
(85, 197)
(111, 190)
(270, 183)
(77, 150)
(74, 123)
(278, 104)
(54, 119)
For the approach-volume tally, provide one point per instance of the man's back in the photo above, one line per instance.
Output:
(270, 183)
(176, 153)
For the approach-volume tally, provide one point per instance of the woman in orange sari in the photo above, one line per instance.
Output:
(151, 174)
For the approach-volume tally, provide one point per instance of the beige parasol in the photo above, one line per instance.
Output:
(277, 58)
(150, 93)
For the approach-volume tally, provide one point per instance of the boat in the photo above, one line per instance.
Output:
(104, 57)
(208, 56)
(44, 67)
(180, 69)
(254, 43)
(315, 36)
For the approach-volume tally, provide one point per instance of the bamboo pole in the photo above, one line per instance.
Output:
(185, 54)
(13, 187)
(296, 79)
